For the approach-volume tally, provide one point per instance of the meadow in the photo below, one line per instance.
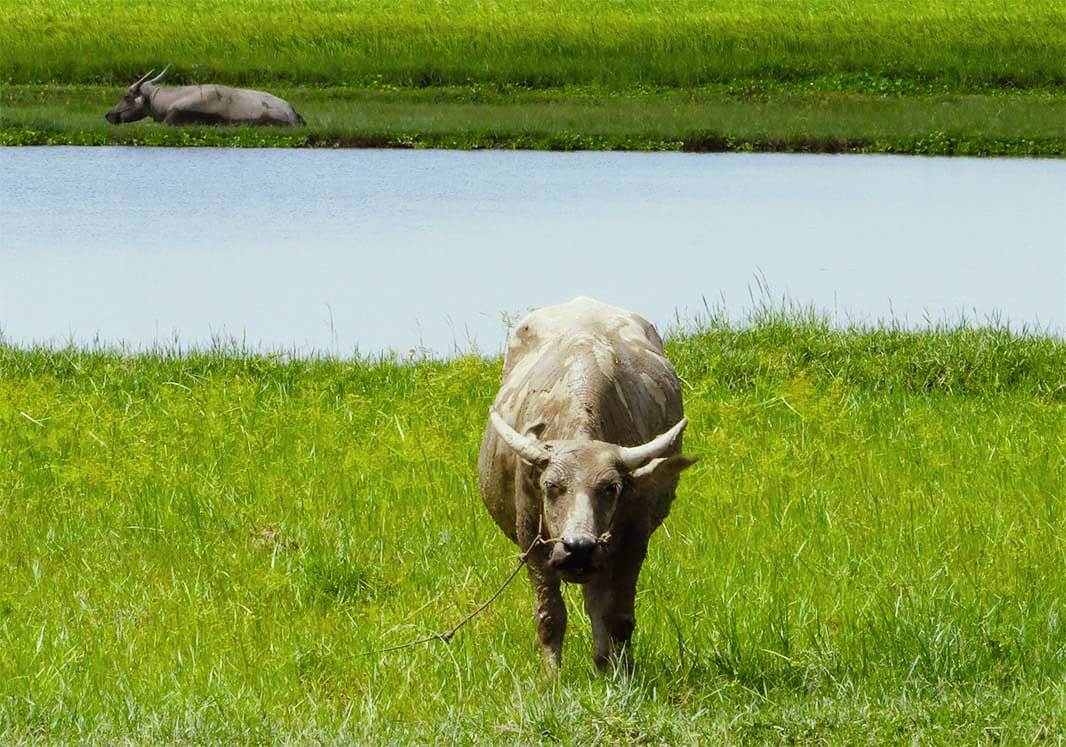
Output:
(204, 545)
(984, 77)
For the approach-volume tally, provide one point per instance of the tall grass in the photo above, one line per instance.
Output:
(201, 545)
(977, 43)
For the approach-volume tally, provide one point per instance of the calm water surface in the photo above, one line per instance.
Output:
(338, 250)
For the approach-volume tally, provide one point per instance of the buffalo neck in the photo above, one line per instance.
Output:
(159, 99)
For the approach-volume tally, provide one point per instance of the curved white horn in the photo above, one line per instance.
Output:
(527, 447)
(159, 77)
(137, 83)
(637, 456)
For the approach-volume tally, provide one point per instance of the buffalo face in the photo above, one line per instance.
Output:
(129, 109)
(580, 489)
(585, 485)
(134, 105)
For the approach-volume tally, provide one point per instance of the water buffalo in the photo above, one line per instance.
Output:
(582, 449)
(210, 104)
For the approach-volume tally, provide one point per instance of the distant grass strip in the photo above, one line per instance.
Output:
(717, 118)
(197, 546)
(972, 45)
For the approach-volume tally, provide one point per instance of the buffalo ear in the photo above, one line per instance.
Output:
(660, 475)
(527, 446)
(536, 429)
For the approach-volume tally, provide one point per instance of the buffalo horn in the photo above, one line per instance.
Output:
(159, 77)
(527, 447)
(637, 456)
(137, 83)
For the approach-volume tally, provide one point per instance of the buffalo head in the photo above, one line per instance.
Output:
(583, 483)
(134, 105)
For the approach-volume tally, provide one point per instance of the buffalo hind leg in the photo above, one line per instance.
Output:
(551, 617)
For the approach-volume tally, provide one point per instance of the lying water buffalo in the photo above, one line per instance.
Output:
(210, 104)
(571, 455)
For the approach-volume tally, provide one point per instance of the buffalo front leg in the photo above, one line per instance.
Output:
(609, 602)
(175, 117)
(179, 116)
(550, 611)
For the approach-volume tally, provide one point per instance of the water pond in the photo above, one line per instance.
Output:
(314, 250)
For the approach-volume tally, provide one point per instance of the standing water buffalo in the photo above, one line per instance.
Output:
(582, 450)
(210, 104)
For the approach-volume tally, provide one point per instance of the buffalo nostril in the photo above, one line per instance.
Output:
(580, 546)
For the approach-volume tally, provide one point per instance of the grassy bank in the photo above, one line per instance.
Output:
(413, 43)
(983, 77)
(713, 118)
(201, 545)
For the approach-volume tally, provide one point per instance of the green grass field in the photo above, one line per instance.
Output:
(201, 546)
(977, 43)
(983, 77)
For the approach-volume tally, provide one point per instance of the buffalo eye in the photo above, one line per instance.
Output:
(553, 488)
(612, 490)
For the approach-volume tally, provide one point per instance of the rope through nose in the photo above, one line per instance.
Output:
(601, 541)
(449, 634)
